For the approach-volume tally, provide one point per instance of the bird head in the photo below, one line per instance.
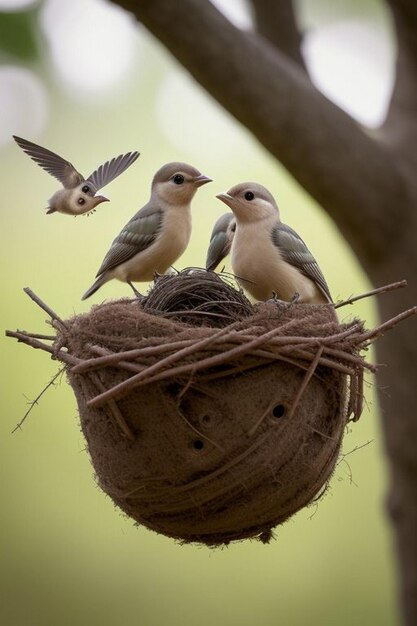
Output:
(176, 183)
(84, 203)
(250, 202)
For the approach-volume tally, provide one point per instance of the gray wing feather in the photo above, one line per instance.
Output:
(111, 169)
(220, 241)
(138, 234)
(295, 252)
(219, 248)
(52, 163)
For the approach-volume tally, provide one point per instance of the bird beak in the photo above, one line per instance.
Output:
(224, 197)
(101, 199)
(201, 180)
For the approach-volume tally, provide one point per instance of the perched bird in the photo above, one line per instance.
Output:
(158, 233)
(269, 257)
(220, 240)
(79, 194)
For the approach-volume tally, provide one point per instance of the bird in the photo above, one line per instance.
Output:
(268, 257)
(220, 240)
(78, 195)
(156, 236)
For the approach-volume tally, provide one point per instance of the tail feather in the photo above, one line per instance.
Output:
(95, 286)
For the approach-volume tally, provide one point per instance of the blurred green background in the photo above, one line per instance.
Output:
(84, 80)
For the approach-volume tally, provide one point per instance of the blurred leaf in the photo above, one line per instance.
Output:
(19, 34)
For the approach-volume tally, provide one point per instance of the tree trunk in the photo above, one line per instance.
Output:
(397, 390)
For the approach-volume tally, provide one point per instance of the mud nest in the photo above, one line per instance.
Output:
(209, 419)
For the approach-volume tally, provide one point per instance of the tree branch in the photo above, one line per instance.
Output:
(276, 22)
(408, 10)
(400, 127)
(325, 150)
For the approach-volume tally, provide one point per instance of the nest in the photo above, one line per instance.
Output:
(209, 419)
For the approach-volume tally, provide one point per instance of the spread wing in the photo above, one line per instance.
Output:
(220, 241)
(138, 234)
(111, 169)
(52, 163)
(295, 252)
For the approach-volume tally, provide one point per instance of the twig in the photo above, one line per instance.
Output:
(351, 358)
(267, 356)
(319, 432)
(373, 292)
(355, 449)
(44, 306)
(308, 356)
(126, 365)
(186, 313)
(309, 373)
(352, 390)
(37, 335)
(36, 400)
(239, 369)
(113, 358)
(255, 427)
(358, 406)
(114, 409)
(371, 335)
(35, 343)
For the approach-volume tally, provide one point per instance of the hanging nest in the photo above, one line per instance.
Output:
(209, 419)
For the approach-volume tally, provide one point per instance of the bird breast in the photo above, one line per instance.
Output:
(175, 234)
(168, 246)
(262, 271)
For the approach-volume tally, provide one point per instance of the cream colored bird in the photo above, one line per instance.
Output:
(268, 257)
(158, 233)
(220, 240)
(78, 195)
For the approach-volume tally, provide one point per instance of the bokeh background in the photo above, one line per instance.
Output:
(85, 80)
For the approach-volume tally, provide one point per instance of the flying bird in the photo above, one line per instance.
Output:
(78, 195)
(268, 257)
(220, 240)
(158, 233)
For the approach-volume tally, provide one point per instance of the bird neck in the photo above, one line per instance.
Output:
(259, 218)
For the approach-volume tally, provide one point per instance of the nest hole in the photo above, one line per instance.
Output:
(278, 410)
(198, 445)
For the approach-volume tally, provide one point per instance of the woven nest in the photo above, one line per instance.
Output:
(209, 419)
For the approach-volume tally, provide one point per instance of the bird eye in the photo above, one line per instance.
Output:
(233, 228)
(81, 201)
(85, 189)
(249, 195)
(178, 179)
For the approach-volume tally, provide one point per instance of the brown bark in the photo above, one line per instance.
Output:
(366, 182)
(276, 21)
(400, 128)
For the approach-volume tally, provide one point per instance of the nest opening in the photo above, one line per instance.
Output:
(197, 298)
(278, 410)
